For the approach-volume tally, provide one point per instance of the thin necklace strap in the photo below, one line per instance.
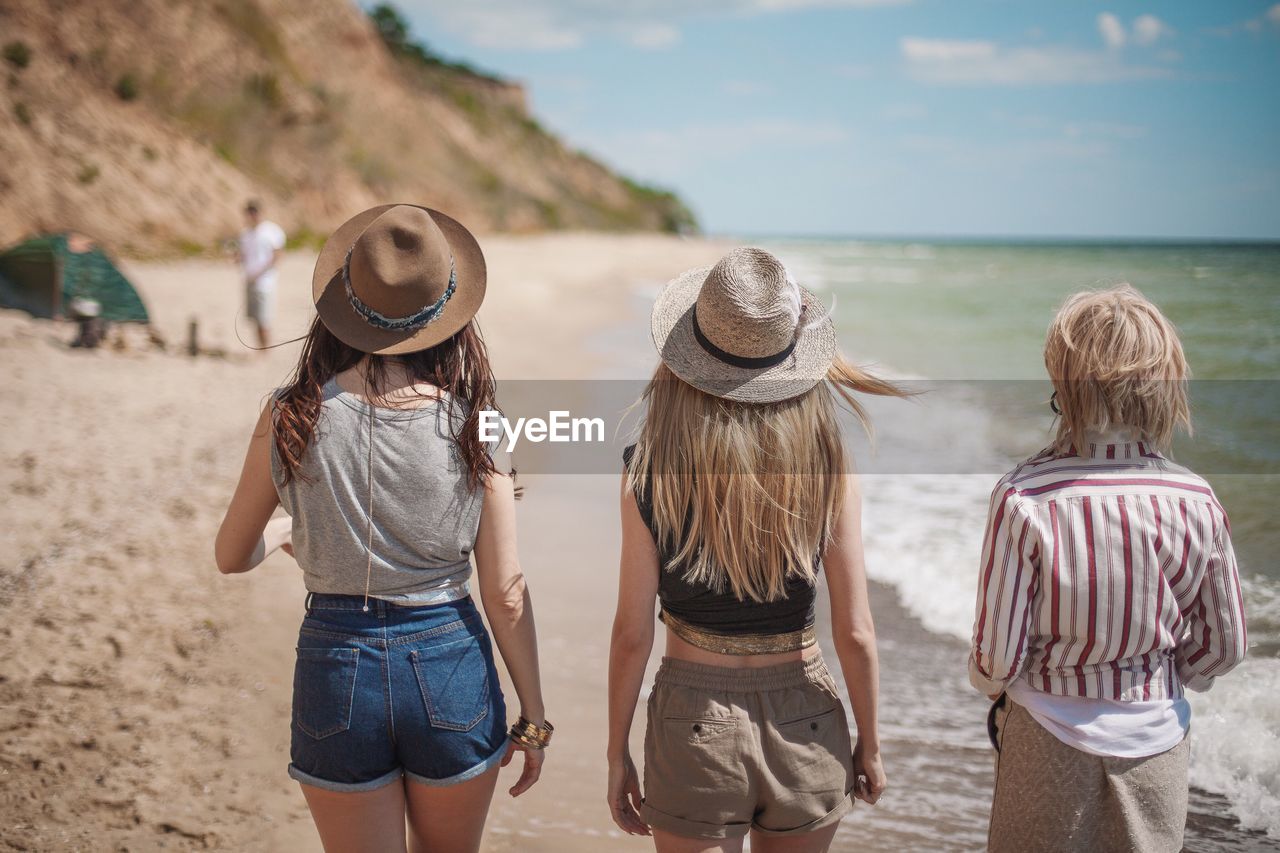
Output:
(368, 545)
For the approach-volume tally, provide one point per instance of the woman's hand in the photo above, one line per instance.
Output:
(869, 781)
(624, 796)
(533, 759)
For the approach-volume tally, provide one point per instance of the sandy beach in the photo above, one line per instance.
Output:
(942, 183)
(144, 698)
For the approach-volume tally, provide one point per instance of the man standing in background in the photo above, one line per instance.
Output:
(260, 246)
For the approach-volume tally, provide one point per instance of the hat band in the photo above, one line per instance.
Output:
(410, 323)
(738, 360)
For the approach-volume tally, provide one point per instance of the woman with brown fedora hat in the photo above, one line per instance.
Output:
(737, 491)
(373, 450)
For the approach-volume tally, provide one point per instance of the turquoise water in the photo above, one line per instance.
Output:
(975, 314)
(979, 310)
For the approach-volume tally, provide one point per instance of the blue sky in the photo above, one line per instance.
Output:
(908, 117)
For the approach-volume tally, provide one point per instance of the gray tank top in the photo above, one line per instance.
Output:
(425, 514)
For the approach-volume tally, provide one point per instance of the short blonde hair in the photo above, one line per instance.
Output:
(1116, 361)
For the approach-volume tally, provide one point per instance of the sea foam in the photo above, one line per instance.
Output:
(1235, 742)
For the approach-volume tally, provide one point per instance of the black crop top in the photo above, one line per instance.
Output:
(718, 620)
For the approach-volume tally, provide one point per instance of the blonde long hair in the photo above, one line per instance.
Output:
(1116, 361)
(745, 494)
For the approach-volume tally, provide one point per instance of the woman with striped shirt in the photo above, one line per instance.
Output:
(1107, 585)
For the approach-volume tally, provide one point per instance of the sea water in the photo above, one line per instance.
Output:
(965, 322)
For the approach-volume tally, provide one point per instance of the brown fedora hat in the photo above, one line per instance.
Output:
(398, 278)
(744, 330)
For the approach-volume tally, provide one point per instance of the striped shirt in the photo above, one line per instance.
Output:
(1109, 576)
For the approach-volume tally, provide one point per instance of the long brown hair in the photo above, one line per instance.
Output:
(458, 366)
(745, 494)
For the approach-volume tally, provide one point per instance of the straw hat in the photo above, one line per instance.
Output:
(398, 278)
(744, 330)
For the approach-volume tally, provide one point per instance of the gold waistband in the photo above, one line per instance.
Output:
(739, 644)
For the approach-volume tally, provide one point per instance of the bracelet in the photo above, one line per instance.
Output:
(529, 735)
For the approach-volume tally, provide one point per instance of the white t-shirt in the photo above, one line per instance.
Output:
(257, 245)
(1107, 727)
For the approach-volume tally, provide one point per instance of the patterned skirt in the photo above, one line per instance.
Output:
(1053, 798)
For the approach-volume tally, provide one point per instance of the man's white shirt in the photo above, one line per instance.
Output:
(257, 245)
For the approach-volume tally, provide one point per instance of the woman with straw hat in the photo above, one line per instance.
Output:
(373, 450)
(736, 493)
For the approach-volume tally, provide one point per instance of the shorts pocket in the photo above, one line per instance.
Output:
(454, 680)
(699, 729)
(324, 687)
(811, 727)
(695, 761)
(813, 753)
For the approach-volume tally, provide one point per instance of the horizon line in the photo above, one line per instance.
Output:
(1031, 239)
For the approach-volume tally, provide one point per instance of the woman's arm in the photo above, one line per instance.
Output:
(628, 656)
(248, 534)
(854, 635)
(510, 611)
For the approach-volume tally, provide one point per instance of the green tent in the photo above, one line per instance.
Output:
(43, 275)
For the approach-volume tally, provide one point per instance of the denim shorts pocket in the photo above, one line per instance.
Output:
(324, 686)
(454, 680)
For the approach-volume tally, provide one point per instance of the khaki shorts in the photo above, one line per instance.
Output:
(729, 751)
(260, 305)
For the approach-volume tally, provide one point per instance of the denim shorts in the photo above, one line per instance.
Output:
(399, 690)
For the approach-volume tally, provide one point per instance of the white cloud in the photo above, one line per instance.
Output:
(1112, 30)
(1273, 14)
(975, 63)
(1148, 29)
(654, 36)
(947, 50)
(564, 24)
